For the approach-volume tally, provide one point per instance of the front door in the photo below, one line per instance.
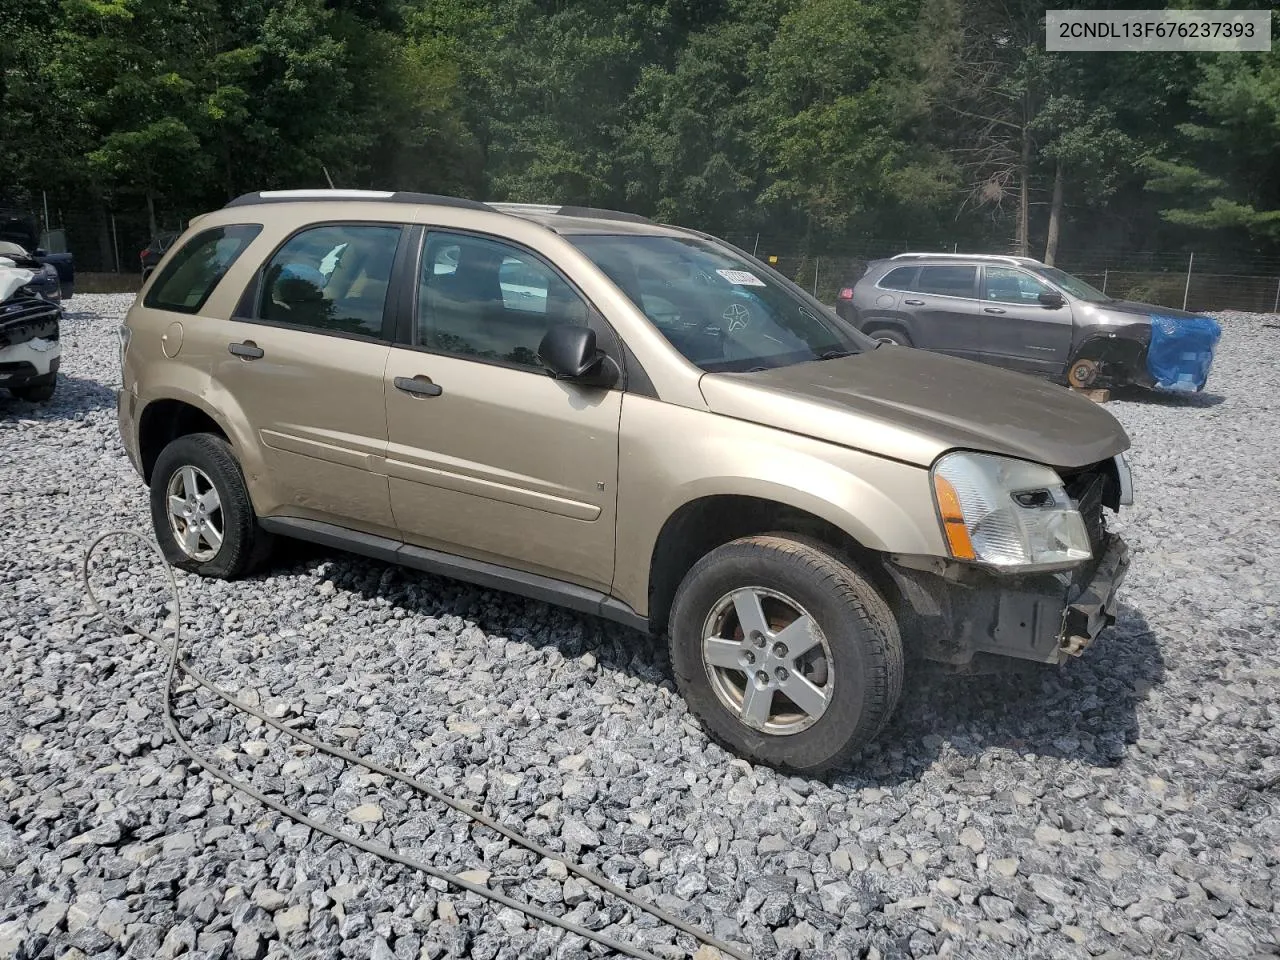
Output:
(944, 303)
(489, 457)
(305, 359)
(1022, 333)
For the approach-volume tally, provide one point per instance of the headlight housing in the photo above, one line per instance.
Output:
(1007, 513)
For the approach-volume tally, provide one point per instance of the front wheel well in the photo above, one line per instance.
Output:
(1109, 350)
(875, 324)
(164, 421)
(702, 525)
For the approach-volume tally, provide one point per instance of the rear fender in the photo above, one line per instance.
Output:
(196, 389)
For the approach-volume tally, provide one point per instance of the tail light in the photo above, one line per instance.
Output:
(123, 335)
(142, 254)
(846, 293)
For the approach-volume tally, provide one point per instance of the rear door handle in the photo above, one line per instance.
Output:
(914, 303)
(994, 310)
(246, 351)
(419, 385)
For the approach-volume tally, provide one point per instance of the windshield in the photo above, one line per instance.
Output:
(720, 310)
(1073, 285)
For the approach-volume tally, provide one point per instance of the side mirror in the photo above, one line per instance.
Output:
(1052, 300)
(569, 352)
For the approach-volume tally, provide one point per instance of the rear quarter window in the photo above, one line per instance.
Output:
(193, 272)
(899, 278)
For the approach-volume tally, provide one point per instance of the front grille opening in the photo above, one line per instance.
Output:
(1088, 490)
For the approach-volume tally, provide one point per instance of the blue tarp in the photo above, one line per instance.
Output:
(1181, 351)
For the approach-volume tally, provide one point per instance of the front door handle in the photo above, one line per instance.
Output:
(419, 385)
(246, 351)
(914, 303)
(994, 310)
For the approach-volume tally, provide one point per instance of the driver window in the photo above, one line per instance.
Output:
(1008, 285)
(487, 300)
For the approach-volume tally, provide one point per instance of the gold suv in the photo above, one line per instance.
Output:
(629, 419)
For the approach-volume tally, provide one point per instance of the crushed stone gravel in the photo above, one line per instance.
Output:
(1125, 805)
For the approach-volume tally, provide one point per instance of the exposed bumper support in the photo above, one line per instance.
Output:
(952, 612)
(1095, 607)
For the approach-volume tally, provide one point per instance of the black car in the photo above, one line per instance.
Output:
(19, 229)
(149, 257)
(46, 282)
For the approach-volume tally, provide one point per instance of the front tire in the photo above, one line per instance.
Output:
(788, 655)
(200, 508)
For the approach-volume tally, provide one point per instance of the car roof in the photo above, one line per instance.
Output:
(564, 219)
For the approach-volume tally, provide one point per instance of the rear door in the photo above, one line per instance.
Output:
(490, 458)
(1022, 333)
(944, 307)
(304, 357)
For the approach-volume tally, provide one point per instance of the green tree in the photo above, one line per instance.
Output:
(1227, 175)
(842, 117)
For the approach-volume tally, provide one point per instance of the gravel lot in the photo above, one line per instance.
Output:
(1125, 805)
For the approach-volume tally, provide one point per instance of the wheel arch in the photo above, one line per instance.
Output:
(1124, 346)
(165, 419)
(897, 324)
(702, 524)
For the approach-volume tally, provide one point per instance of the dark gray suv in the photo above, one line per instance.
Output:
(1016, 312)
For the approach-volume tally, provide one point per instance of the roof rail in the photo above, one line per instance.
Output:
(564, 210)
(387, 196)
(998, 257)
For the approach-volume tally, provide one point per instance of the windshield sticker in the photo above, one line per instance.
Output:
(742, 278)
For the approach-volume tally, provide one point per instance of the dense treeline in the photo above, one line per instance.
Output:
(818, 121)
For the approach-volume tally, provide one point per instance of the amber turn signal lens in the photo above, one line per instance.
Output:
(953, 519)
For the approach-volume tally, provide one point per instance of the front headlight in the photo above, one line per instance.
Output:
(1008, 513)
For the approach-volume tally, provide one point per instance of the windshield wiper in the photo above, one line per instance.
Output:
(835, 354)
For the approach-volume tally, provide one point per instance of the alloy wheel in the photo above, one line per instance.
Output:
(768, 661)
(195, 513)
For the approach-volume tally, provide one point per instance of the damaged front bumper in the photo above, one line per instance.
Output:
(29, 340)
(961, 615)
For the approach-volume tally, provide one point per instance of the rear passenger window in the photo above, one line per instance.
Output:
(950, 281)
(332, 278)
(191, 275)
(899, 278)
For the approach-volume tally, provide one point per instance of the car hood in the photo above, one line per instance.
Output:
(1146, 310)
(914, 406)
(12, 278)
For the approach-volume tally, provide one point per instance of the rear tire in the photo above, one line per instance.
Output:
(896, 337)
(853, 659)
(37, 391)
(218, 528)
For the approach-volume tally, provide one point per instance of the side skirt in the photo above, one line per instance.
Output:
(479, 572)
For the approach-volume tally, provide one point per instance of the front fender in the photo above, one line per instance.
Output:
(672, 456)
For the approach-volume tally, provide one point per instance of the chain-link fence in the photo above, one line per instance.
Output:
(1194, 281)
(105, 238)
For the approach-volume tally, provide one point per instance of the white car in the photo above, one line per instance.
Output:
(29, 331)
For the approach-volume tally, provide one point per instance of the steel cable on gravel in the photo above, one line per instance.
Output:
(176, 664)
